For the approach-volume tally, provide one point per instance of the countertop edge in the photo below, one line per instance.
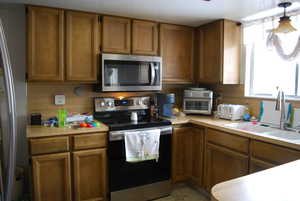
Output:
(51, 132)
(276, 182)
(218, 126)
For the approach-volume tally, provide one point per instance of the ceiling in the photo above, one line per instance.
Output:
(186, 12)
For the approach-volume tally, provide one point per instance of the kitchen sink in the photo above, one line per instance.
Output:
(266, 131)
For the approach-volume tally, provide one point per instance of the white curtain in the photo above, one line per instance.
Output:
(286, 46)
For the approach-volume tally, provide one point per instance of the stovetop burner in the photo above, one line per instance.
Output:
(121, 121)
(117, 117)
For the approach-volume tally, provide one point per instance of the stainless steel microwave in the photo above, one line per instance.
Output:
(131, 73)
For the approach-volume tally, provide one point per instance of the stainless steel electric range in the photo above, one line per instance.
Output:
(140, 181)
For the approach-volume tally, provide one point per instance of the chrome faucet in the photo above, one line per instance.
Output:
(280, 106)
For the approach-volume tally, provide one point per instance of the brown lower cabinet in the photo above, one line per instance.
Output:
(223, 164)
(187, 160)
(179, 154)
(75, 175)
(90, 175)
(257, 165)
(202, 156)
(195, 147)
(265, 155)
(52, 177)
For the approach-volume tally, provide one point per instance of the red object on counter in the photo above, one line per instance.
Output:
(83, 125)
(89, 126)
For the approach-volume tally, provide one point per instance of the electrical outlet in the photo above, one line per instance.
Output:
(60, 99)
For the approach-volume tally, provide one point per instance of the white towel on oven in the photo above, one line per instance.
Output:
(142, 145)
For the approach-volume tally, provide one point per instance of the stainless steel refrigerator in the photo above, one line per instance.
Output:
(8, 124)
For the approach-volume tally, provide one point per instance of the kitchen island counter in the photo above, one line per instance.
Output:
(280, 183)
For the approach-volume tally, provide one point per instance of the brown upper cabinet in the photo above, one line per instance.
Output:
(45, 44)
(144, 37)
(82, 46)
(218, 52)
(176, 49)
(48, 32)
(116, 35)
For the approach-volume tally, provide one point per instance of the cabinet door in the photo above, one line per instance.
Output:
(210, 54)
(231, 52)
(45, 44)
(222, 164)
(180, 154)
(257, 165)
(144, 37)
(176, 48)
(90, 175)
(51, 177)
(195, 147)
(116, 35)
(272, 153)
(82, 46)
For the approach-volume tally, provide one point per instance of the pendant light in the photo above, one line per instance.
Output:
(285, 21)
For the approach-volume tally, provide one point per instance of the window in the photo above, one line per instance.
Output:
(265, 70)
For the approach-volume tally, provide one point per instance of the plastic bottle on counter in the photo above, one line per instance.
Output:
(62, 115)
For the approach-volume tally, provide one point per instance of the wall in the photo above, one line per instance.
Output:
(41, 97)
(13, 17)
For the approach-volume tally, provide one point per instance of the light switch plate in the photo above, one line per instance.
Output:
(60, 99)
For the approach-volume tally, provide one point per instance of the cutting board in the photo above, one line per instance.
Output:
(296, 118)
(269, 115)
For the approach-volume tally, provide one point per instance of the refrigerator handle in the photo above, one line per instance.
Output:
(10, 95)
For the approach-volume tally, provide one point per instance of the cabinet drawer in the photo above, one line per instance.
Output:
(233, 142)
(89, 141)
(273, 153)
(49, 145)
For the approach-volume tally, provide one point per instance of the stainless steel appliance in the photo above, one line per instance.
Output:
(140, 181)
(131, 73)
(197, 101)
(8, 122)
(165, 104)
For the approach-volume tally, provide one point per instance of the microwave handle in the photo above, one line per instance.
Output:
(152, 69)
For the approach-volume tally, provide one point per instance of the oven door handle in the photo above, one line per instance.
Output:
(119, 135)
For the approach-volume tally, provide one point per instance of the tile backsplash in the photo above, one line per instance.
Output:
(79, 97)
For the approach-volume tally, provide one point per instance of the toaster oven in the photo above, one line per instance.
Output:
(197, 102)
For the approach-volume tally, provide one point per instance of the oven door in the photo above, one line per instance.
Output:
(125, 175)
(197, 106)
(130, 73)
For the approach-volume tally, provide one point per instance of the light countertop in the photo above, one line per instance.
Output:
(220, 124)
(280, 183)
(42, 131)
(205, 121)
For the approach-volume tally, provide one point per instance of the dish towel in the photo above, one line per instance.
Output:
(142, 145)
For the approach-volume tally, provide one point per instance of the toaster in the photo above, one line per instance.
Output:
(231, 112)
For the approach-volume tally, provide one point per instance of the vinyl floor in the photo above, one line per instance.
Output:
(184, 193)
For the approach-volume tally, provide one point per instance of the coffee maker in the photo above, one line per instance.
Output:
(165, 104)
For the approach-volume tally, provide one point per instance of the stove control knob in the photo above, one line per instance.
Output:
(109, 104)
(140, 102)
(102, 104)
(145, 102)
